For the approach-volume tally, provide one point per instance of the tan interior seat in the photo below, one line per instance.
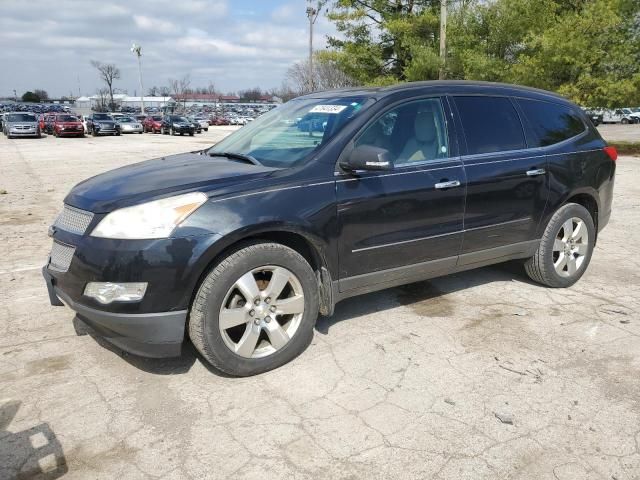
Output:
(423, 145)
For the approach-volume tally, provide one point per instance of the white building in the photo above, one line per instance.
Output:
(123, 101)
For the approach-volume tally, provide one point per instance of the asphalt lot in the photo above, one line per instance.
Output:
(620, 133)
(479, 375)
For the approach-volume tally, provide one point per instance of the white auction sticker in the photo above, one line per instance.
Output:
(327, 109)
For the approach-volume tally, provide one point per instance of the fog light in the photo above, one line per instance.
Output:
(107, 292)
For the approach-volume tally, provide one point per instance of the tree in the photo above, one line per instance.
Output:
(102, 104)
(42, 94)
(153, 91)
(588, 50)
(30, 97)
(109, 73)
(380, 38)
(327, 74)
(180, 88)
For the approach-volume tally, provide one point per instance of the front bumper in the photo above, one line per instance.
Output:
(23, 133)
(155, 335)
(69, 132)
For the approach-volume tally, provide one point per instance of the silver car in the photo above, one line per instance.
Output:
(129, 125)
(20, 124)
(204, 123)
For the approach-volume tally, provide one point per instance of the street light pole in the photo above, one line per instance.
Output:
(137, 49)
(312, 15)
(443, 38)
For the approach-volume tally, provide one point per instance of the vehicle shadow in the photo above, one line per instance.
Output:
(426, 291)
(35, 453)
(431, 292)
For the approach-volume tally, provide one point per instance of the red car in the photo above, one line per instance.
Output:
(67, 126)
(220, 121)
(153, 124)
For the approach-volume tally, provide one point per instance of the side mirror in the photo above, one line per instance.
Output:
(368, 157)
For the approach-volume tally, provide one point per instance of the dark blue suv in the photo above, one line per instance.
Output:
(242, 245)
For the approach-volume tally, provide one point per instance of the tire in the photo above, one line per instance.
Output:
(206, 129)
(624, 121)
(219, 288)
(93, 132)
(190, 134)
(541, 268)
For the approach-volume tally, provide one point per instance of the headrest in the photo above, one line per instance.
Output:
(425, 127)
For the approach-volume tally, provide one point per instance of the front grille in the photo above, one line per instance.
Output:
(61, 256)
(73, 220)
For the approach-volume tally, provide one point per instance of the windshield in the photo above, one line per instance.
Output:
(179, 119)
(126, 120)
(67, 118)
(157, 118)
(102, 116)
(287, 135)
(21, 117)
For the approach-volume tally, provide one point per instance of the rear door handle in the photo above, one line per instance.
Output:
(536, 171)
(451, 184)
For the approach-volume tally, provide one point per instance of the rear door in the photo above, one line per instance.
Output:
(507, 186)
(399, 223)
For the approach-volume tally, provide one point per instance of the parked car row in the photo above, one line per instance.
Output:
(15, 124)
(617, 115)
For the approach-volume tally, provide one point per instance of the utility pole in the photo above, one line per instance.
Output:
(137, 49)
(443, 38)
(312, 15)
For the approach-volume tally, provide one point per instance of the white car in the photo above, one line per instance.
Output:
(204, 123)
(619, 115)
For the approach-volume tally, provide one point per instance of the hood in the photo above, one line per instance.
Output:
(161, 177)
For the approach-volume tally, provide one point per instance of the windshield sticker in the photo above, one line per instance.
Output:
(327, 109)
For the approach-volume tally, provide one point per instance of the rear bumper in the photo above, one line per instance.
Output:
(155, 335)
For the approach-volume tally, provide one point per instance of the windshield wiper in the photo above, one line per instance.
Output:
(236, 156)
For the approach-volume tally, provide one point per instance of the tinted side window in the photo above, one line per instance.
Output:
(551, 122)
(412, 132)
(491, 124)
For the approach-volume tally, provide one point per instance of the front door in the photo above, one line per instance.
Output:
(394, 223)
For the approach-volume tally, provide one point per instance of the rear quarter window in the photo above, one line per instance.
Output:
(491, 124)
(551, 122)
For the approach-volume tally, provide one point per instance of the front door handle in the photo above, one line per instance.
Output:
(535, 172)
(451, 184)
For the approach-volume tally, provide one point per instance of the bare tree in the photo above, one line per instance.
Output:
(153, 91)
(103, 100)
(180, 88)
(109, 73)
(326, 75)
(211, 88)
(165, 91)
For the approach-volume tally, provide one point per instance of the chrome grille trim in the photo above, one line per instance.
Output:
(73, 220)
(61, 256)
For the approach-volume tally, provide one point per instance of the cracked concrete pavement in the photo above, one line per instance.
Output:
(479, 375)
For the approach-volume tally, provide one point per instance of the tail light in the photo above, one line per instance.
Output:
(611, 152)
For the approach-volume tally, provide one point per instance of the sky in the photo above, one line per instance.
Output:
(235, 44)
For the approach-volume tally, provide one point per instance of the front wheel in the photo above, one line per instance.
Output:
(255, 310)
(565, 249)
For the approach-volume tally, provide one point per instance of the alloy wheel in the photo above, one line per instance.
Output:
(261, 311)
(570, 247)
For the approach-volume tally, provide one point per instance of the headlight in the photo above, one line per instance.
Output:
(155, 219)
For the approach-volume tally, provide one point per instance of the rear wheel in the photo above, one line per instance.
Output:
(255, 310)
(565, 249)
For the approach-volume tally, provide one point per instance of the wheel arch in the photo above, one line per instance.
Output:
(308, 245)
(590, 202)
